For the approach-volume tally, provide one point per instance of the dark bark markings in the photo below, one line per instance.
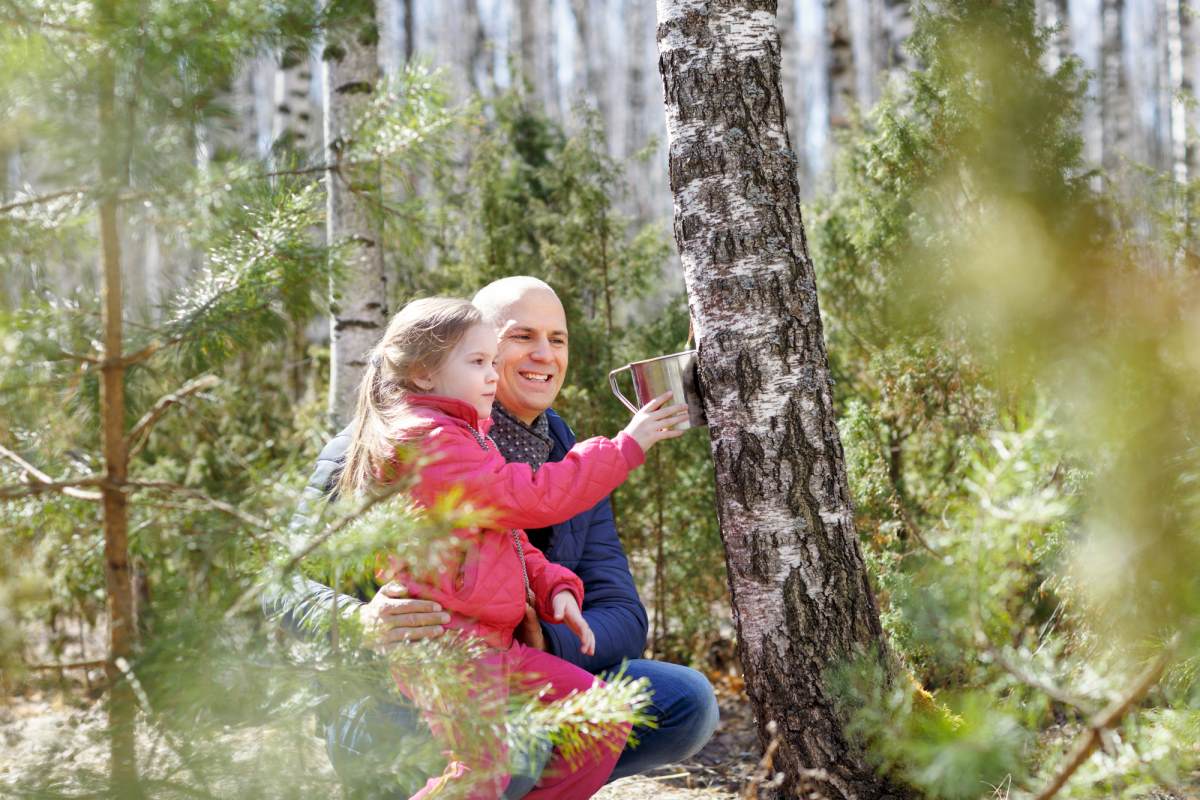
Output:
(739, 230)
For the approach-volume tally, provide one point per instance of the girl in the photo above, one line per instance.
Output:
(431, 381)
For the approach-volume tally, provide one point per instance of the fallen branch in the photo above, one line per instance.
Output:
(765, 764)
(140, 435)
(1105, 720)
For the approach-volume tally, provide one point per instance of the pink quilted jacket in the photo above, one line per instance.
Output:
(483, 589)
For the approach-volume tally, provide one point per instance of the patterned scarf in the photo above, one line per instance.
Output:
(516, 441)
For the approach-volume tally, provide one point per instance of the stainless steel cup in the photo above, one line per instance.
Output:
(675, 373)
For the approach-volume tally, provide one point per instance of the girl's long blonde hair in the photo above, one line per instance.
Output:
(416, 342)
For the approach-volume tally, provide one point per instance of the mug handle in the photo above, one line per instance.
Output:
(612, 383)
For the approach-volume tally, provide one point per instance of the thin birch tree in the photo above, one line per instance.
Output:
(801, 598)
(1115, 113)
(358, 292)
(839, 63)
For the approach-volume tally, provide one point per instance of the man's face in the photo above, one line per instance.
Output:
(531, 354)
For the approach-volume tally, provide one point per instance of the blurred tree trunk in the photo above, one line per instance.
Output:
(358, 297)
(292, 135)
(1181, 48)
(479, 60)
(122, 627)
(894, 26)
(1055, 14)
(793, 83)
(592, 54)
(638, 125)
(292, 120)
(839, 66)
(801, 599)
(1115, 110)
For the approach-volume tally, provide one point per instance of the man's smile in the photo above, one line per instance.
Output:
(539, 377)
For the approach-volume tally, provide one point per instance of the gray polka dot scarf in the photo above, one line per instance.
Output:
(516, 441)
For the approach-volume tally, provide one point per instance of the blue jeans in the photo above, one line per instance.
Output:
(682, 704)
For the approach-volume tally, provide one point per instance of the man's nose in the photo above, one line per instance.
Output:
(542, 350)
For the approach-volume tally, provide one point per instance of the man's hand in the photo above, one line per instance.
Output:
(392, 617)
(529, 632)
(567, 610)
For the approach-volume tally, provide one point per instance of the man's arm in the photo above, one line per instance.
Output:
(611, 604)
(304, 607)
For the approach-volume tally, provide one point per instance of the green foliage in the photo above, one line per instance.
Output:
(1018, 416)
(215, 473)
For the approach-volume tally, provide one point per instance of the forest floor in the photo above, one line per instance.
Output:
(62, 722)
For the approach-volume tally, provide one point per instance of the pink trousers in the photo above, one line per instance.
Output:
(528, 670)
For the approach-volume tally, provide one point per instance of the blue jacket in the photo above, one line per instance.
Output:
(586, 544)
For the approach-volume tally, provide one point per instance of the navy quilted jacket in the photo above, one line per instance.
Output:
(587, 544)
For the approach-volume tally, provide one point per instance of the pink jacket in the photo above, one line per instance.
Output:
(484, 590)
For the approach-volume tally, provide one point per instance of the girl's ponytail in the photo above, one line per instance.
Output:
(416, 342)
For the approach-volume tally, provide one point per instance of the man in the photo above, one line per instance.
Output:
(532, 362)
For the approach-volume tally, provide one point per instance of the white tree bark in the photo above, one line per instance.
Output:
(1181, 49)
(799, 586)
(358, 297)
(292, 126)
(1115, 110)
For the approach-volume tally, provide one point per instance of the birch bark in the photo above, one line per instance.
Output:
(1114, 85)
(358, 295)
(1181, 49)
(801, 598)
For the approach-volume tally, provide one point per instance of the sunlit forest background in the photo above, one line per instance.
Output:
(1001, 206)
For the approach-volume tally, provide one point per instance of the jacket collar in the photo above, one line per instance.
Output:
(451, 407)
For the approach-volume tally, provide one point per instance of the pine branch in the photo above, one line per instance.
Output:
(1032, 681)
(300, 554)
(46, 483)
(42, 199)
(69, 488)
(1106, 719)
(140, 435)
(203, 499)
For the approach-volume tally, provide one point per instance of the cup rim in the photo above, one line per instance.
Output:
(660, 358)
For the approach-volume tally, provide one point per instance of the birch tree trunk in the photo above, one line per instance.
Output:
(292, 134)
(839, 65)
(292, 121)
(122, 628)
(592, 55)
(1055, 14)
(801, 598)
(358, 297)
(1181, 49)
(1114, 85)
(894, 26)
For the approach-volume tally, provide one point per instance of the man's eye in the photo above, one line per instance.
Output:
(559, 341)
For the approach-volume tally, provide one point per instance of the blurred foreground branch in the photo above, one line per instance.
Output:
(1106, 719)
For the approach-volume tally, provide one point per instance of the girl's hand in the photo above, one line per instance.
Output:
(653, 423)
(567, 610)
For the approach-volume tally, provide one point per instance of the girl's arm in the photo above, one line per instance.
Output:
(547, 579)
(518, 496)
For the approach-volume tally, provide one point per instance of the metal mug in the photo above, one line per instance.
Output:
(675, 373)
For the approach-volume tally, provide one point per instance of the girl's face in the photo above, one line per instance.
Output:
(469, 371)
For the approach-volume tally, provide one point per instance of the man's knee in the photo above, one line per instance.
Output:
(697, 712)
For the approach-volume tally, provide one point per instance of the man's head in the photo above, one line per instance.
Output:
(532, 349)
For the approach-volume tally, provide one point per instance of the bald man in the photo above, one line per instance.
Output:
(533, 353)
